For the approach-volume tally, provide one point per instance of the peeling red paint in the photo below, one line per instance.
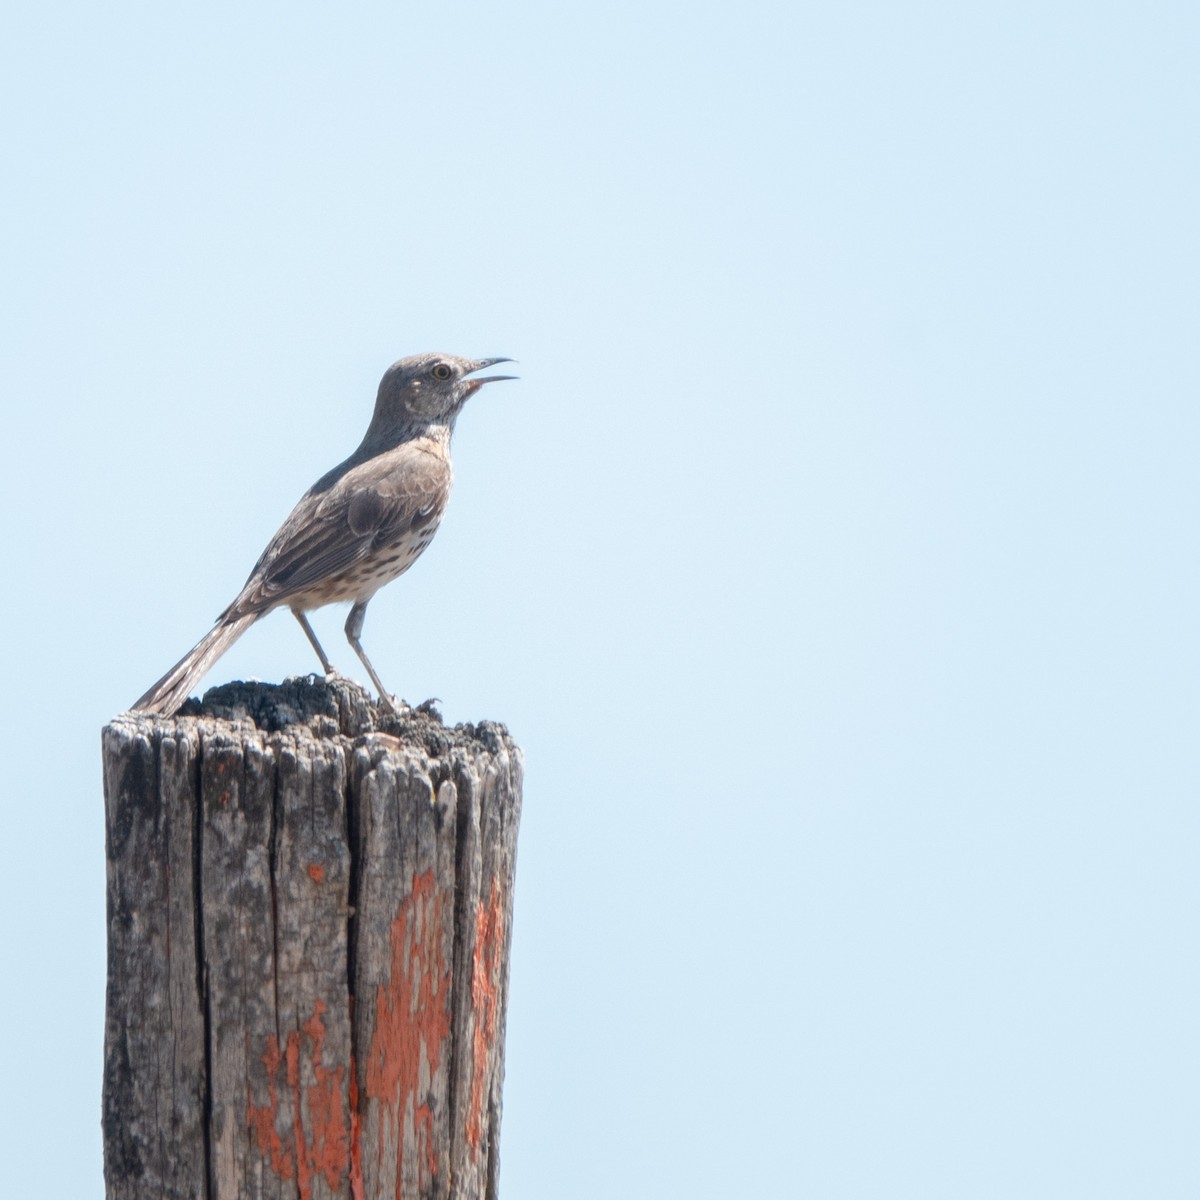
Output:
(412, 1020)
(316, 872)
(227, 795)
(485, 1001)
(261, 1119)
(329, 1152)
(356, 1175)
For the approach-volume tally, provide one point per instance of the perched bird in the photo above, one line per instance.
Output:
(359, 526)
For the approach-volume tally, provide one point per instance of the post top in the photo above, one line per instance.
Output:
(326, 708)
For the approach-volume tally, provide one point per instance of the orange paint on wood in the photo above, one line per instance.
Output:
(221, 768)
(356, 1175)
(316, 872)
(261, 1118)
(329, 1151)
(485, 1001)
(412, 1019)
(303, 1170)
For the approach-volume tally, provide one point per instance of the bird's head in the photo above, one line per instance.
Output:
(430, 389)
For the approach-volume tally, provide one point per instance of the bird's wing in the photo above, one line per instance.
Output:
(372, 505)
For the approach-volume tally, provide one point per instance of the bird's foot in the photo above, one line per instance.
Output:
(394, 704)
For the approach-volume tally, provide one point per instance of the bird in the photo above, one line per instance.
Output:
(361, 525)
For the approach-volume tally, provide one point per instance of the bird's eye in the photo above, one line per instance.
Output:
(442, 371)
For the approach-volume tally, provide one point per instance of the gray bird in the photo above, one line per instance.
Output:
(359, 526)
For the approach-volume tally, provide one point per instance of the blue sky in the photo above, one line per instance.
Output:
(833, 560)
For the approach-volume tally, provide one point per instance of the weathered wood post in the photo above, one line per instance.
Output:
(309, 912)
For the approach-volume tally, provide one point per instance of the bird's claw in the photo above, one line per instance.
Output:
(401, 708)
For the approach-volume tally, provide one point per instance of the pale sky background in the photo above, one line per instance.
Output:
(833, 562)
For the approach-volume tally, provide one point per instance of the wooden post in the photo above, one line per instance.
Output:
(309, 914)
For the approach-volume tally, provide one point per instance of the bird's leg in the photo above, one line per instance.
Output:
(354, 625)
(312, 637)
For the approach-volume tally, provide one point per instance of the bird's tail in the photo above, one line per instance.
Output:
(172, 689)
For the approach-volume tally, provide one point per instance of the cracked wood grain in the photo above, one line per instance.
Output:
(310, 908)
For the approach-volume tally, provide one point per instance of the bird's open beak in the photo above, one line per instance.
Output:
(482, 364)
